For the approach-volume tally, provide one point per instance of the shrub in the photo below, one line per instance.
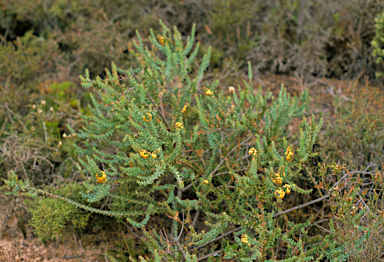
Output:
(160, 143)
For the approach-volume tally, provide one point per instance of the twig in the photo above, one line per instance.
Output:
(212, 254)
(220, 237)
(157, 108)
(222, 161)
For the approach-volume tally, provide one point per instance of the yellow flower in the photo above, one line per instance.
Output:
(153, 155)
(149, 119)
(101, 179)
(289, 154)
(184, 109)
(287, 189)
(231, 89)
(252, 151)
(178, 125)
(205, 181)
(208, 92)
(279, 193)
(244, 240)
(277, 180)
(161, 39)
(144, 153)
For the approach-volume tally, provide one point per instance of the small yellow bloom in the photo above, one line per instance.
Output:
(153, 155)
(184, 109)
(279, 193)
(144, 153)
(205, 181)
(231, 89)
(252, 151)
(208, 92)
(277, 180)
(287, 189)
(34, 106)
(101, 179)
(161, 39)
(289, 154)
(147, 119)
(244, 240)
(178, 125)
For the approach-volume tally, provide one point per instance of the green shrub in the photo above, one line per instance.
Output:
(25, 59)
(51, 217)
(221, 169)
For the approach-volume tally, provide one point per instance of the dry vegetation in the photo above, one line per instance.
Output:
(321, 46)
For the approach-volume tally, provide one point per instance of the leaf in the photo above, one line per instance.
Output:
(209, 31)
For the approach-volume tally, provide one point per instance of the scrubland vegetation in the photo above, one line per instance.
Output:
(163, 127)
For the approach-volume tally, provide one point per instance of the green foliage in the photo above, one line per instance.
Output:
(26, 58)
(162, 143)
(52, 217)
(203, 176)
(378, 43)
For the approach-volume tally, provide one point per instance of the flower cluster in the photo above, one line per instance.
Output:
(252, 152)
(178, 125)
(184, 109)
(287, 189)
(208, 92)
(149, 119)
(161, 39)
(101, 179)
(279, 193)
(278, 179)
(144, 154)
(289, 154)
(244, 240)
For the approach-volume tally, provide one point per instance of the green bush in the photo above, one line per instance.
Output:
(51, 217)
(162, 144)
